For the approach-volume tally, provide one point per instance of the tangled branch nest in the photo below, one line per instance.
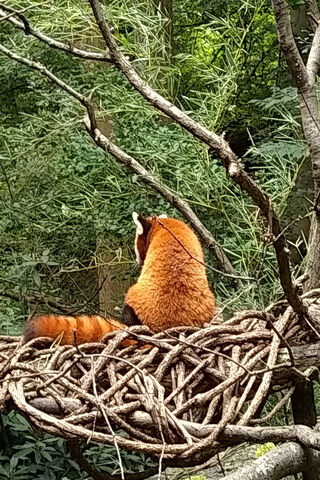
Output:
(170, 400)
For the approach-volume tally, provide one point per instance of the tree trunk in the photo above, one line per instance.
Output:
(310, 121)
(114, 278)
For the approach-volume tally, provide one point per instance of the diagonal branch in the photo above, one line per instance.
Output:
(25, 26)
(206, 136)
(174, 199)
(218, 145)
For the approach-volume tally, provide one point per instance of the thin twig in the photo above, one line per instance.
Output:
(25, 26)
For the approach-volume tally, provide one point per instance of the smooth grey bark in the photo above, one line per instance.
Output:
(288, 459)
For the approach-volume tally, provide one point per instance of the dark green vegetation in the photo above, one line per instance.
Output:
(66, 207)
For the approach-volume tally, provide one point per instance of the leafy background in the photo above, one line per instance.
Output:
(61, 198)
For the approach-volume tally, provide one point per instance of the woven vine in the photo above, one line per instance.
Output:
(168, 396)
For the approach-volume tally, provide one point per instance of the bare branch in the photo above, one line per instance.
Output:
(313, 62)
(103, 142)
(44, 71)
(235, 434)
(305, 80)
(25, 26)
(288, 44)
(219, 146)
(209, 138)
(19, 13)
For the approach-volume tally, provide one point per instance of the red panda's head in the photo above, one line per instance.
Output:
(144, 226)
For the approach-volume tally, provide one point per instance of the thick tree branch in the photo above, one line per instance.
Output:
(287, 459)
(302, 401)
(313, 62)
(236, 434)
(25, 26)
(174, 199)
(305, 80)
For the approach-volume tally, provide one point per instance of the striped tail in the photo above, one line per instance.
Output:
(88, 328)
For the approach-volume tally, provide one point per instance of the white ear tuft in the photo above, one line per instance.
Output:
(163, 215)
(137, 222)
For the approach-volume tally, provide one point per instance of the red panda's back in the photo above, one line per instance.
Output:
(172, 289)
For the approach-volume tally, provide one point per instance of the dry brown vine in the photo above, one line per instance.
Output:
(173, 400)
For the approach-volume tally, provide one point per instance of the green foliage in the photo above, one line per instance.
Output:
(29, 455)
(59, 193)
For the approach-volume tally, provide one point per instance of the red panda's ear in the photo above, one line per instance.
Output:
(143, 224)
(141, 243)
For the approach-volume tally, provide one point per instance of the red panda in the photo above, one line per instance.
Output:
(172, 289)
(89, 328)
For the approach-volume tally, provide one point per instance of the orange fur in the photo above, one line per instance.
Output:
(172, 289)
(89, 328)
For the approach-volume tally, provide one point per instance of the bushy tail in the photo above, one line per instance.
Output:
(87, 328)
